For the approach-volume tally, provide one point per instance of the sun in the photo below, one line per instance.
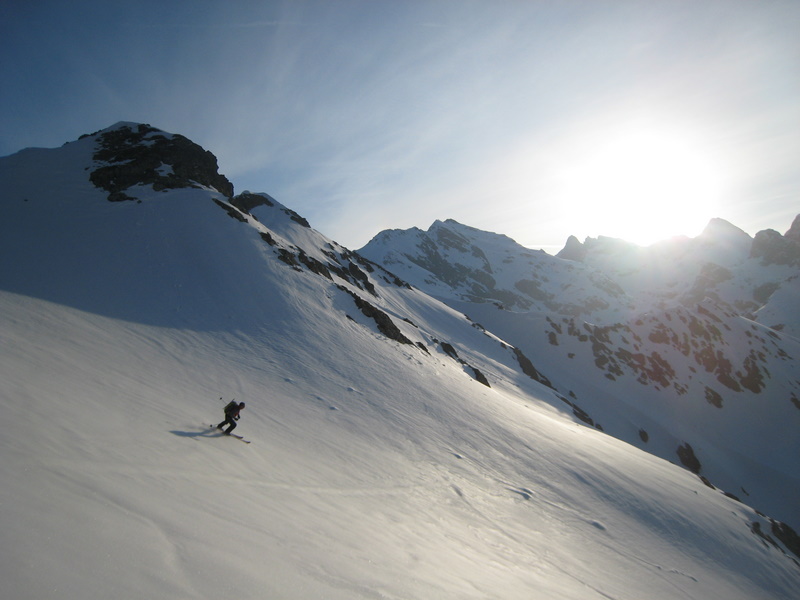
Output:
(639, 184)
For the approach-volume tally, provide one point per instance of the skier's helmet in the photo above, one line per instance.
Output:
(241, 404)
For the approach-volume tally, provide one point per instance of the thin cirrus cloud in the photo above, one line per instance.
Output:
(367, 115)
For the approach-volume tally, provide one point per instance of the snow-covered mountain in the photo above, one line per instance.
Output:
(399, 450)
(686, 349)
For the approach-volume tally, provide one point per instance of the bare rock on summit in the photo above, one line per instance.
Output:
(793, 234)
(773, 248)
(573, 250)
(138, 154)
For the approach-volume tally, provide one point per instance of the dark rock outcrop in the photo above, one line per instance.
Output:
(130, 155)
(384, 323)
(573, 250)
(688, 459)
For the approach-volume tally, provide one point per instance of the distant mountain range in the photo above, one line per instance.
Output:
(687, 349)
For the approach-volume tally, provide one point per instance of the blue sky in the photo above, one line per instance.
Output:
(535, 119)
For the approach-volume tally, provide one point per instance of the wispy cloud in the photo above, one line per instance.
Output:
(362, 115)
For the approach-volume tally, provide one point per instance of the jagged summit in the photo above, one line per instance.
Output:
(723, 243)
(572, 250)
(721, 228)
(717, 233)
(456, 262)
(794, 231)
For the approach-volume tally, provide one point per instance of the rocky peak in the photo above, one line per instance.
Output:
(448, 236)
(130, 154)
(573, 250)
(794, 231)
(723, 243)
(773, 248)
(720, 229)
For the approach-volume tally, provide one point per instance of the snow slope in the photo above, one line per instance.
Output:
(669, 356)
(377, 469)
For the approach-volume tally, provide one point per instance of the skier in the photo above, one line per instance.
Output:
(231, 416)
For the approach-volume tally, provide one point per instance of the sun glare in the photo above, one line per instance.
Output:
(641, 185)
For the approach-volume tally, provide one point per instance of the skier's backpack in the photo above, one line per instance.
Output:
(231, 408)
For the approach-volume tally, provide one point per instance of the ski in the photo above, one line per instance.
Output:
(233, 435)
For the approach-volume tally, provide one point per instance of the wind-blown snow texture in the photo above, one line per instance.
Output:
(382, 464)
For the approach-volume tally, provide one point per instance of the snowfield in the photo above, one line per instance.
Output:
(377, 468)
(670, 340)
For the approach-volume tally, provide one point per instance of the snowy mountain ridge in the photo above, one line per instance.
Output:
(672, 356)
(400, 450)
